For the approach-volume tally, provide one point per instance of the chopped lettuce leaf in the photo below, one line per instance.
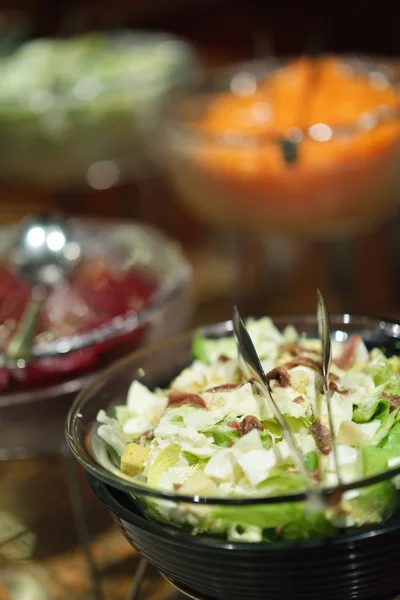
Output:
(194, 459)
(112, 433)
(385, 371)
(291, 520)
(166, 458)
(298, 424)
(373, 504)
(122, 414)
(265, 336)
(391, 443)
(272, 427)
(266, 439)
(373, 460)
(281, 481)
(208, 350)
(311, 459)
(387, 423)
(222, 435)
(308, 526)
(374, 408)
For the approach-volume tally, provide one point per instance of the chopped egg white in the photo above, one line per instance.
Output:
(256, 464)
(221, 466)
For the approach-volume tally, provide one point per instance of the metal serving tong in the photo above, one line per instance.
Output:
(257, 375)
(324, 332)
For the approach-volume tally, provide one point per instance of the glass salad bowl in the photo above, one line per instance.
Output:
(305, 148)
(75, 111)
(309, 562)
(101, 314)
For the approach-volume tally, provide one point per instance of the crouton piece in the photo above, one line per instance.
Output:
(134, 458)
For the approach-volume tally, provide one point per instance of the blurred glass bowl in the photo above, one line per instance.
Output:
(33, 411)
(358, 562)
(232, 161)
(74, 111)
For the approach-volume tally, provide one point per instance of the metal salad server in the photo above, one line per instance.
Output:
(253, 365)
(326, 350)
(42, 255)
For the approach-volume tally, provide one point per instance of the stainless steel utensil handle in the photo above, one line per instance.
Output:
(19, 350)
(324, 332)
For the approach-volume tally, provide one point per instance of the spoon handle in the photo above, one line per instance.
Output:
(19, 350)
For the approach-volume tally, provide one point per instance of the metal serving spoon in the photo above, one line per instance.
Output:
(324, 333)
(42, 255)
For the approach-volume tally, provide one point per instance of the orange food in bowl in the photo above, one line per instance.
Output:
(345, 175)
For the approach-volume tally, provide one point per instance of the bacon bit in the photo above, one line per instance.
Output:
(298, 400)
(177, 486)
(249, 423)
(304, 361)
(179, 398)
(234, 425)
(316, 475)
(322, 437)
(394, 400)
(333, 377)
(148, 435)
(292, 349)
(348, 355)
(223, 358)
(280, 375)
(333, 387)
(226, 387)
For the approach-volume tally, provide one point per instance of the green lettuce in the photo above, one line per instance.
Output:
(281, 481)
(272, 427)
(166, 459)
(194, 459)
(385, 445)
(377, 409)
(385, 371)
(289, 520)
(208, 350)
(311, 459)
(373, 504)
(387, 422)
(223, 435)
(373, 460)
(390, 444)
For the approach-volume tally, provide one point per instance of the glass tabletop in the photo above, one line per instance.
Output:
(57, 542)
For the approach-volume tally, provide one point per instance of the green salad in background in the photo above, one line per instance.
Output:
(67, 103)
(210, 433)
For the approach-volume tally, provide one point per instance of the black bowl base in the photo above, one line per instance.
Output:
(195, 596)
(354, 567)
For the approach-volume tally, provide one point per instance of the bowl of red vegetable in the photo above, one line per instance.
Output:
(131, 286)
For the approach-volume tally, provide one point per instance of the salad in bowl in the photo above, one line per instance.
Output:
(203, 452)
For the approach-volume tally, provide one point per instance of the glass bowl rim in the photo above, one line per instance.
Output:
(218, 329)
(296, 135)
(126, 323)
